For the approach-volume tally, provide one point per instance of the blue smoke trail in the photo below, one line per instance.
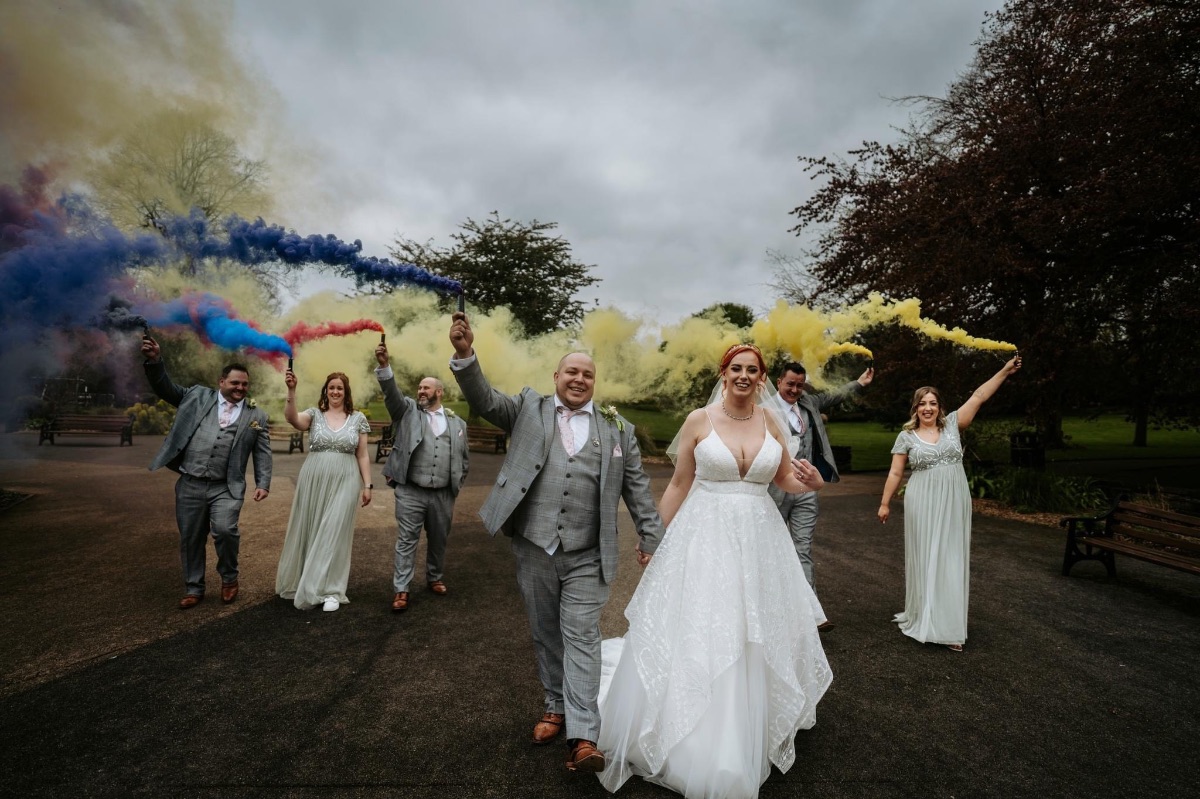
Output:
(258, 242)
(215, 319)
(57, 265)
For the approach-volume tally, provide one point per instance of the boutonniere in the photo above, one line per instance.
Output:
(251, 403)
(449, 413)
(609, 413)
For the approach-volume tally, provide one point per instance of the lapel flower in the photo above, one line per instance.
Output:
(609, 413)
(449, 413)
(251, 403)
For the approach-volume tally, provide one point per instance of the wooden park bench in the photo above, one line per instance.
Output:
(487, 439)
(119, 424)
(1137, 531)
(285, 432)
(381, 433)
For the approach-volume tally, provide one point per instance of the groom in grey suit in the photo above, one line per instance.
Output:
(427, 467)
(568, 466)
(803, 414)
(214, 434)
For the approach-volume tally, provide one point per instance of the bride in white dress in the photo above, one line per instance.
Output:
(722, 664)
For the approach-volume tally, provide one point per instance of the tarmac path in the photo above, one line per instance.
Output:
(1079, 686)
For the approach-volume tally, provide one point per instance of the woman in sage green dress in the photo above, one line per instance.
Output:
(937, 514)
(314, 566)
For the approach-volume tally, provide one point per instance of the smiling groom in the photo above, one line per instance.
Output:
(568, 466)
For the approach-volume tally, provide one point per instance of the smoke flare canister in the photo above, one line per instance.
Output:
(383, 338)
(289, 364)
(462, 302)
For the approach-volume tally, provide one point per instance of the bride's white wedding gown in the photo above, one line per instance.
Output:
(722, 664)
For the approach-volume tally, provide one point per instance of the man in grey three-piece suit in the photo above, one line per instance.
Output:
(427, 467)
(803, 413)
(568, 466)
(214, 434)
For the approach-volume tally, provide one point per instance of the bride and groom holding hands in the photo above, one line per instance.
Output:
(723, 611)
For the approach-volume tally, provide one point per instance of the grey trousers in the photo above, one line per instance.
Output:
(202, 508)
(564, 595)
(416, 507)
(800, 513)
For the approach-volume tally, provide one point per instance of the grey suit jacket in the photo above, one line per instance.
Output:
(409, 428)
(529, 418)
(252, 439)
(822, 454)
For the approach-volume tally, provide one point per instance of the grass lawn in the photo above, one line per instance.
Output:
(1105, 438)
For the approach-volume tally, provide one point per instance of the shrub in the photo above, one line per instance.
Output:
(152, 419)
(1034, 490)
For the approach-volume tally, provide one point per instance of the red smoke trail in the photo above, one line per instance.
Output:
(301, 332)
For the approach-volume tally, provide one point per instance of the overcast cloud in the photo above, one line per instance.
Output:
(662, 137)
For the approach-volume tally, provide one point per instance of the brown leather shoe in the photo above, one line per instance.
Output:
(190, 601)
(585, 757)
(400, 602)
(438, 587)
(229, 592)
(825, 626)
(548, 728)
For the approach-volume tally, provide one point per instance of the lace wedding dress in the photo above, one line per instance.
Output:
(722, 664)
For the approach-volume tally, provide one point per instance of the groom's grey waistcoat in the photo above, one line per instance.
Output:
(429, 464)
(562, 501)
(197, 409)
(529, 418)
(207, 456)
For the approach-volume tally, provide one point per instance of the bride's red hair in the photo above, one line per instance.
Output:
(737, 349)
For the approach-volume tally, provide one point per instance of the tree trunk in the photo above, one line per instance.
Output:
(1051, 428)
(1141, 423)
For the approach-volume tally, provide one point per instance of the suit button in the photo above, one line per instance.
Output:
(522, 491)
(537, 467)
(565, 493)
(568, 475)
(560, 527)
(564, 510)
(570, 460)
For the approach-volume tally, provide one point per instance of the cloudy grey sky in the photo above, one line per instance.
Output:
(661, 136)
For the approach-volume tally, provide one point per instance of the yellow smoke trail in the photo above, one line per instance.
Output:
(80, 75)
(635, 359)
(877, 310)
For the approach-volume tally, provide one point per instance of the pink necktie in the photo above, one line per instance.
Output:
(226, 413)
(799, 419)
(564, 429)
(432, 425)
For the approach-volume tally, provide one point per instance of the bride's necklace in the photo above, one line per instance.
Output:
(737, 418)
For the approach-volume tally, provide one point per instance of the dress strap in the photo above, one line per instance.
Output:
(711, 426)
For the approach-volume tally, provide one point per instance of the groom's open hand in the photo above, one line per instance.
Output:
(461, 335)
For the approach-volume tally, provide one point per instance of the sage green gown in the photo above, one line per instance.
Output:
(937, 538)
(315, 562)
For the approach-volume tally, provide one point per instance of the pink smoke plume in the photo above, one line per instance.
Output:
(302, 332)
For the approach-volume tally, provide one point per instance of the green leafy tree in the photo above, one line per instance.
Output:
(736, 314)
(1049, 198)
(518, 265)
(174, 162)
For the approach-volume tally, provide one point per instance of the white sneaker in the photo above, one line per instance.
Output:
(331, 603)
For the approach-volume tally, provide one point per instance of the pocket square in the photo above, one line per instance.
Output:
(617, 451)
